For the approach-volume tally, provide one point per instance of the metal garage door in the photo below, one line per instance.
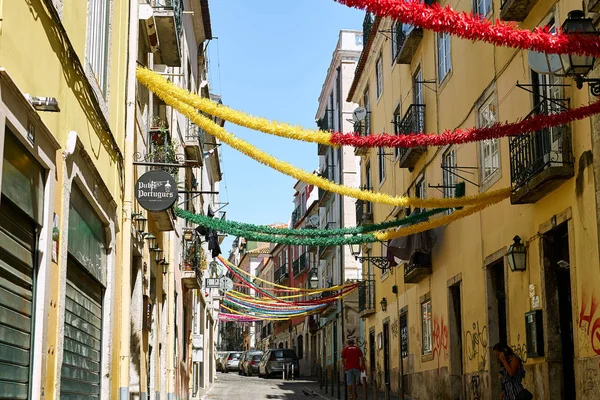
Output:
(80, 373)
(17, 245)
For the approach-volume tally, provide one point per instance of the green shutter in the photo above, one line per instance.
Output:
(87, 237)
(80, 372)
(17, 245)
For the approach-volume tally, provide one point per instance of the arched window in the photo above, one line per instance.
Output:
(300, 347)
(281, 345)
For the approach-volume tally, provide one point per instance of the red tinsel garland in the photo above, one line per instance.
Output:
(459, 136)
(475, 27)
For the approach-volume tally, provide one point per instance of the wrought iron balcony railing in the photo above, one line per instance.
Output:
(412, 123)
(366, 297)
(296, 215)
(300, 264)
(281, 274)
(364, 211)
(540, 161)
(516, 10)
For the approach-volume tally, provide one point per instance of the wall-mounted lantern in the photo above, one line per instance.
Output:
(383, 304)
(517, 255)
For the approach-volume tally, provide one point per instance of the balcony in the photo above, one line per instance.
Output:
(325, 124)
(324, 251)
(191, 276)
(366, 298)
(407, 39)
(296, 216)
(516, 10)
(418, 268)
(193, 148)
(364, 211)
(282, 274)
(412, 122)
(300, 265)
(362, 128)
(168, 15)
(327, 173)
(331, 307)
(540, 161)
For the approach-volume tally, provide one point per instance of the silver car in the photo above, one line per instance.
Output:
(232, 361)
(274, 361)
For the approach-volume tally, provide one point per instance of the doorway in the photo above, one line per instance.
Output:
(497, 319)
(558, 310)
(386, 355)
(372, 355)
(456, 333)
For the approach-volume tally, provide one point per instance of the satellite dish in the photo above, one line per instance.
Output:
(543, 63)
(359, 114)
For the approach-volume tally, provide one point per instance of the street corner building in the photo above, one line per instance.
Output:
(523, 271)
(99, 297)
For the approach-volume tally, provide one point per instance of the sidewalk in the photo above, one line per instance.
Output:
(314, 387)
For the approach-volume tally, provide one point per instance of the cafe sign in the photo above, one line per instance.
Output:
(156, 190)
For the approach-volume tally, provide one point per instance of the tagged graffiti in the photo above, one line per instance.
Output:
(395, 328)
(476, 345)
(520, 349)
(591, 383)
(440, 338)
(589, 322)
(475, 387)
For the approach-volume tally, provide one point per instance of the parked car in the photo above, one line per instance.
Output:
(274, 361)
(249, 362)
(232, 362)
(242, 358)
(219, 362)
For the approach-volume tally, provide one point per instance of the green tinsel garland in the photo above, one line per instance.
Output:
(302, 237)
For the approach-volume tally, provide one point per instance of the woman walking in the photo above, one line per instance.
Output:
(512, 373)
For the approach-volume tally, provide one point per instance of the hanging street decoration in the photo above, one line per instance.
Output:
(336, 139)
(156, 190)
(474, 27)
(308, 177)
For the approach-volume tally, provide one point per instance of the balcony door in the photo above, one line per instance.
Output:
(548, 98)
(418, 99)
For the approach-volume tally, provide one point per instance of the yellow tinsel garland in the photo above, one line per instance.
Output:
(246, 148)
(148, 77)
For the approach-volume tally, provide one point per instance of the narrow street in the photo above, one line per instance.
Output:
(234, 386)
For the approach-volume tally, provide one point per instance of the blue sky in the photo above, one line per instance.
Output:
(270, 60)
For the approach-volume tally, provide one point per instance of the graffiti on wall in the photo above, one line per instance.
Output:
(475, 387)
(476, 343)
(440, 339)
(395, 328)
(520, 349)
(591, 383)
(589, 323)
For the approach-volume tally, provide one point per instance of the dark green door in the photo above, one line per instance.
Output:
(17, 245)
(80, 373)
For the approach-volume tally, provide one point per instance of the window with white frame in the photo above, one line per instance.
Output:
(449, 172)
(381, 164)
(482, 7)
(490, 154)
(427, 333)
(379, 76)
(396, 121)
(444, 61)
(368, 186)
(420, 190)
(97, 41)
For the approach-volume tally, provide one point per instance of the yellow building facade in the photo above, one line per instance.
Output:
(455, 297)
(62, 188)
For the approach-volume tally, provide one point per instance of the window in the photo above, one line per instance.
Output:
(418, 99)
(381, 164)
(379, 76)
(300, 347)
(383, 253)
(397, 118)
(367, 106)
(444, 62)
(449, 172)
(420, 190)
(368, 186)
(394, 48)
(97, 41)
(404, 334)
(427, 337)
(482, 7)
(358, 39)
(490, 156)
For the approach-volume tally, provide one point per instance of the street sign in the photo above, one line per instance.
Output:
(212, 283)
(226, 284)
(156, 190)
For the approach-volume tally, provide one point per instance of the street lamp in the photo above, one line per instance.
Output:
(313, 278)
(383, 304)
(165, 266)
(140, 222)
(574, 65)
(517, 255)
(379, 262)
(157, 254)
(151, 239)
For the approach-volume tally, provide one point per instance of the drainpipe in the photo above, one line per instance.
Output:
(171, 323)
(124, 359)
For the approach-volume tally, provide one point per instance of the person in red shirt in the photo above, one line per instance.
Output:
(353, 361)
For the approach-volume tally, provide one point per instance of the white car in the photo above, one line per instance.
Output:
(232, 361)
